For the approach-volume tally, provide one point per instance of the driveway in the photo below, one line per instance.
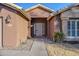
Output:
(33, 47)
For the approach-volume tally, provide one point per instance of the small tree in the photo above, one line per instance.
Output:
(58, 36)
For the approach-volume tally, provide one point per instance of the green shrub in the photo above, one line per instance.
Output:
(58, 36)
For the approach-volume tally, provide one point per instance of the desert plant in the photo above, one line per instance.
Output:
(58, 36)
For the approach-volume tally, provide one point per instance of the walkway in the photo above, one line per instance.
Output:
(38, 48)
(33, 47)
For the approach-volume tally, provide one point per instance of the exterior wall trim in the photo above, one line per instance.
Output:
(2, 31)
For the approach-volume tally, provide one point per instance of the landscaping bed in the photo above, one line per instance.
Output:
(62, 49)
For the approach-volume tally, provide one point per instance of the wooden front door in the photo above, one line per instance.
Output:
(39, 29)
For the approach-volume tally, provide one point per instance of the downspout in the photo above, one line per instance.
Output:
(48, 28)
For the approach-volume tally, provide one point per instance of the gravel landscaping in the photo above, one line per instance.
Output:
(63, 49)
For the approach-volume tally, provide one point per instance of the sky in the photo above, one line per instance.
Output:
(53, 6)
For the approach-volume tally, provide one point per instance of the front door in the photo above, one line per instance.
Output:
(39, 29)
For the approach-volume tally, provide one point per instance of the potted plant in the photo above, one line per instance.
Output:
(58, 36)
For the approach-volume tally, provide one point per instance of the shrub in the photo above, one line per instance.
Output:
(58, 36)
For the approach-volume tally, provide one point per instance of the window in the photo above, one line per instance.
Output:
(73, 27)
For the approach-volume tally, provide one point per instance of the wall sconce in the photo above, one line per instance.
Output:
(31, 25)
(7, 20)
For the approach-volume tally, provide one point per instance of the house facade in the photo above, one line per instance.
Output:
(17, 25)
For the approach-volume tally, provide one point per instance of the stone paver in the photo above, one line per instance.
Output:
(33, 47)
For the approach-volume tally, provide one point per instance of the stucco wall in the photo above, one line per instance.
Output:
(72, 13)
(9, 30)
(51, 26)
(14, 32)
(38, 12)
(22, 29)
(54, 26)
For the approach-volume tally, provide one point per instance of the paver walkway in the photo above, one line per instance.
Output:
(33, 47)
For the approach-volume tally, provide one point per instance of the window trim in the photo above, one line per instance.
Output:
(76, 35)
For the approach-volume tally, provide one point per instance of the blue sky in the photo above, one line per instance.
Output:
(53, 6)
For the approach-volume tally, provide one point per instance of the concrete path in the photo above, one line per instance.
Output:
(38, 48)
(33, 47)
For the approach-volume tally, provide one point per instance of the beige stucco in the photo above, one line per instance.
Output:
(22, 29)
(53, 27)
(15, 32)
(38, 12)
(72, 13)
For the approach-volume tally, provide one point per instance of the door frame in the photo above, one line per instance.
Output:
(1, 43)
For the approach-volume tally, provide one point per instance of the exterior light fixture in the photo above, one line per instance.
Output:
(31, 25)
(7, 20)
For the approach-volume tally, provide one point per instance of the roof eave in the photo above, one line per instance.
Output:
(17, 9)
(40, 5)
